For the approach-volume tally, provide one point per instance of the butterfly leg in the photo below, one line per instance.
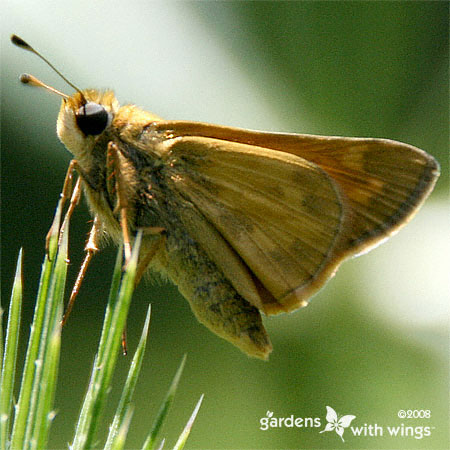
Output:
(74, 201)
(66, 194)
(90, 249)
(91, 245)
(147, 254)
(145, 259)
(115, 161)
(124, 341)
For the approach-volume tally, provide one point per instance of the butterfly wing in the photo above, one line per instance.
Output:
(382, 182)
(350, 195)
(279, 213)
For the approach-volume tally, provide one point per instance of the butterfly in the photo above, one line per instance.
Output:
(243, 222)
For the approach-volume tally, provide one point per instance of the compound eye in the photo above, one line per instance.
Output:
(92, 118)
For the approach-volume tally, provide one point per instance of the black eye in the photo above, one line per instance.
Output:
(91, 118)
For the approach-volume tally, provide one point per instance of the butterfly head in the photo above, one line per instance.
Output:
(84, 117)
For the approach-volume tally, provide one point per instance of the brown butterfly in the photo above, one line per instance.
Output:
(242, 221)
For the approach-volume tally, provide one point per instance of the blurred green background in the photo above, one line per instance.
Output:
(375, 340)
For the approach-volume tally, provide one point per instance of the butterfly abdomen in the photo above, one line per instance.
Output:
(211, 295)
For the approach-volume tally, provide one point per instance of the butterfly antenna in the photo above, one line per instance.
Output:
(16, 40)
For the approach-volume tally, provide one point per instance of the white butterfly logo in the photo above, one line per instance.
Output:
(337, 423)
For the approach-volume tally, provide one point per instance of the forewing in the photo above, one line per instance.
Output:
(280, 213)
(382, 182)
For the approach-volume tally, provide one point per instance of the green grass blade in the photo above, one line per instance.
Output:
(113, 293)
(130, 384)
(10, 354)
(187, 429)
(86, 411)
(1, 332)
(45, 414)
(161, 445)
(45, 381)
(106, 358)
(150, 442)
(118, 441)
(24, 403)
(34, 410)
